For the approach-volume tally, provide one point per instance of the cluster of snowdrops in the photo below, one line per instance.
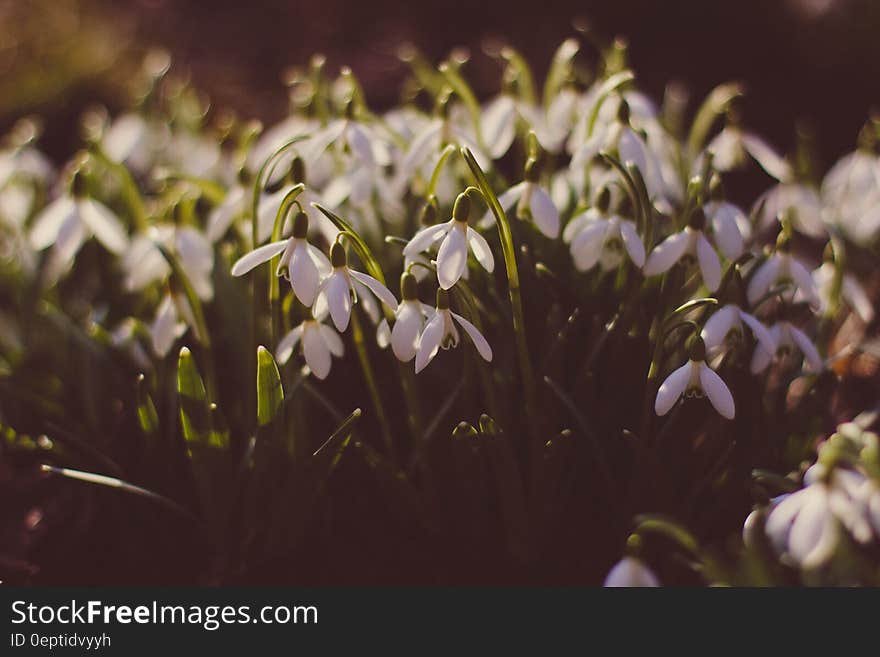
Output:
(593, 166)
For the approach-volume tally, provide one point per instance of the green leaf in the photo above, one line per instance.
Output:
(146, 410)
(658, 524)
(715, 104)
(270, 393)
(195, 411)
(608, 87)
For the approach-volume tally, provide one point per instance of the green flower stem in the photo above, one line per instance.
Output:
(458, 84)
(519, 328)
(130, 192)
(525, 80)
(364, 358)
(435, 176)
(274, 287)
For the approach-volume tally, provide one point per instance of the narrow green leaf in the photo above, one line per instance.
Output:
(715, 104)
(195, 412)
(148, 418)
(270, 393)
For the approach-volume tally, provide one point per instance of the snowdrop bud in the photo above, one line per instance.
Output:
(409, 287)
(623, 112)
(442, 299)
(532, 172)
(696, 349)
(337, 256)
(300, 225)
(244, 177)
(78, 184)
(297, 170)
(462, 208)
(698, 219)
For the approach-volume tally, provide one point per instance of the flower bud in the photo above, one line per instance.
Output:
(462, 208)
(409, 287)
(337, 255)
(300, 225)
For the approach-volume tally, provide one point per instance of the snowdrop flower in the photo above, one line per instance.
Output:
(457, 237)
(782, 268)
(498, 124)
(805, 526)
(233, 205)
(851, 195)
(599, 237)
(797, 202)
(344, 284)
(553, 125)
(726, 326)
(630, 572)
(788, 338)
(145, 264)
(319, 343)
(729, 224)
(440, 331)
(731, 146)
(360, 140)
(686, 245)
(129, 141)
(301, 263)
(69, 221)
(409, 320)
(173, 315)
(693, 379)
(851, 291)
(532, 202)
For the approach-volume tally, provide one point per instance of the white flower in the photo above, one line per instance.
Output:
(689, 243)
(729, 226)
(532, 202)
(732, 144)
(851, 195)
(457, 236)
(630, 572)
(726, 323)
(169, 323)
(409, 320)
(805, 526)
(552, 126)
(693, 379)
(319, 343)
(68, 222)
(440, 332)
(337, 290)
(781, 268)
(129, 140)
(597, 237)
(437, 132)
(787, 338)
(145, 264)
(301, 263)
(851, 291)
(798, 202)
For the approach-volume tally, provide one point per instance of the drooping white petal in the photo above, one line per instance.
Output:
(405, 333)
(196, 252)
(360, 143)
(221, 217)
(366, 300)
(49, 221)
(506, 201)
(303, 275)
(801, 276)
(165, 328)
(420, 147)
(321, 262)
(763, 355)
(761, 333)
(544, 213)
(451, 258)
(710, 266)
(587, 246)
(762, 279)
(666, 254)
(726, 230)
(718, 326)
(808, 349)
(814, 533)
(383, 334)
(764, 155)
(672, 388)
(578, 223)
(717, 391)
(479, 341)
(429, 342)
(499, 125)
(71, 237)
(287, 344)
(632, 242)
(382, 293)
(425, 238)
(104, 224)
(337, 292)
(480, 249)
(315, 146)
(781, 518)
(630, 572)
(855, 295)
(332, 340)
(316, 351)
(257, 257)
